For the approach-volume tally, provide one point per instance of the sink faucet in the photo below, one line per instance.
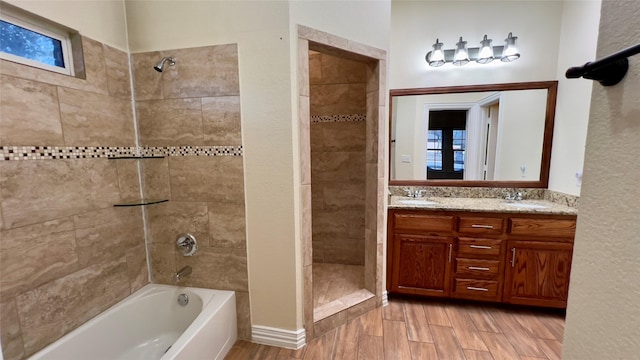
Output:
(512, 196)
(185, 271)
(415, 194)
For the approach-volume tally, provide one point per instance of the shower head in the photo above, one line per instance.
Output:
(160, 65)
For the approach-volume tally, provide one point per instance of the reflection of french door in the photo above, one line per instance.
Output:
(492, 140)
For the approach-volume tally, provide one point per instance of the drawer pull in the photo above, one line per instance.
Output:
(450, 251)
(478, 268)
(480, 247)
(477, 288)
(478, 226)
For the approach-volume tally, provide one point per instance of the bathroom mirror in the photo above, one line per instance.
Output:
(496, 135)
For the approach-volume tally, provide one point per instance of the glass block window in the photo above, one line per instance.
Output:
(37, 45)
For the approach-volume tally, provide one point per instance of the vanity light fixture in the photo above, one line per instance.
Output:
(462, 55)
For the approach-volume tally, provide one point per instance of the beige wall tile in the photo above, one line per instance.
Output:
(244, 315)
(202, 72)
(342, 136)
(336, 70)
(303, 67)
(12, 348)
(336, 99)
(221, 120)
(227, 226)
(372, 128)
(117, 71)
(211, 179)
(33, 255)
(315, 68)
(36, 121)
(95, 120)
(107, 233)
(304, 123)
(137, 267)
(344, 250)
(37, 191)
(168, 220)
(370, 248)
(128, 182)
(95, 67)
(49, 311)
(306, 225)
(337, 166)
(147, 81)
(340, 195)
(307, 273)
(217, 268)
(96, 79)
(163, 263)
(174, 122)
(329, 323)
(155, 178)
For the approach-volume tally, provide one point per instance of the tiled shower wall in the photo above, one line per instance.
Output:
(338, 130)
(66, 253)
(194, 108)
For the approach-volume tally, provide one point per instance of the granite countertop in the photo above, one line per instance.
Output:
(481, 204)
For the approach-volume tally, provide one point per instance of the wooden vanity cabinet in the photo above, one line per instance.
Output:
(421, 255)
(539, 262)
(511, 258)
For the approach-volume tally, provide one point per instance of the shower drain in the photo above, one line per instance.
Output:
(183, 299)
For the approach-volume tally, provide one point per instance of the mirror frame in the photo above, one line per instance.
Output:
(543, 182)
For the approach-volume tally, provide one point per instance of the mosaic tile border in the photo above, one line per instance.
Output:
(338, 118)
(12, 153)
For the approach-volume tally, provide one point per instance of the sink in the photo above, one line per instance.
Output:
(415, 202)
(525, 205)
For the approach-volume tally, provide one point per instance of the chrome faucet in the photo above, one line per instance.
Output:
(415, 194)
(185, 271)
(512, 196)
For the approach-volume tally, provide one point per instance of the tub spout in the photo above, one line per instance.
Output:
(185, 271)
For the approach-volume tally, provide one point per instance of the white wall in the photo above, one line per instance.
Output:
(578, 37)
(552, 35)
(415, 26)
(405, 119)
(603, 316)
(520, 136)
(103, 21)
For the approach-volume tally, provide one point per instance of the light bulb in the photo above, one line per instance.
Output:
(510, 52)
(437, 55)
(486, 51)
(461, 57)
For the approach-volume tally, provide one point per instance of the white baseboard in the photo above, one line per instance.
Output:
(385, 298)
(278, 337)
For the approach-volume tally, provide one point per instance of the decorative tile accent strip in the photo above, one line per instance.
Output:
(192, 151)
(338, 118)
(8, 153)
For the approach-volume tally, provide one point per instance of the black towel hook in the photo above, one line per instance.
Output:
(607, 71)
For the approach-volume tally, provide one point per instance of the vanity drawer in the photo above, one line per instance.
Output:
(485, 247)
(422, 223)
(481, 225)
(476, 267)
(543, 227)
(476, 288)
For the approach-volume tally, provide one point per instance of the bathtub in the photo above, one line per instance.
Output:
(150, 324)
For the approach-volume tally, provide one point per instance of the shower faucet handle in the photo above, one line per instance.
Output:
(187, 244)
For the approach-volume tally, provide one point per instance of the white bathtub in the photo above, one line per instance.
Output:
(150, 321)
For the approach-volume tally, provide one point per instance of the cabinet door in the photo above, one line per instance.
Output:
(422, 265)
(538, 273)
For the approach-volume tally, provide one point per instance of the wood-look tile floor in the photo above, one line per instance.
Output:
(422, 330)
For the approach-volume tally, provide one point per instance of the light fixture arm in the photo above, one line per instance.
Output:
(607, 71)
(473, 53)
